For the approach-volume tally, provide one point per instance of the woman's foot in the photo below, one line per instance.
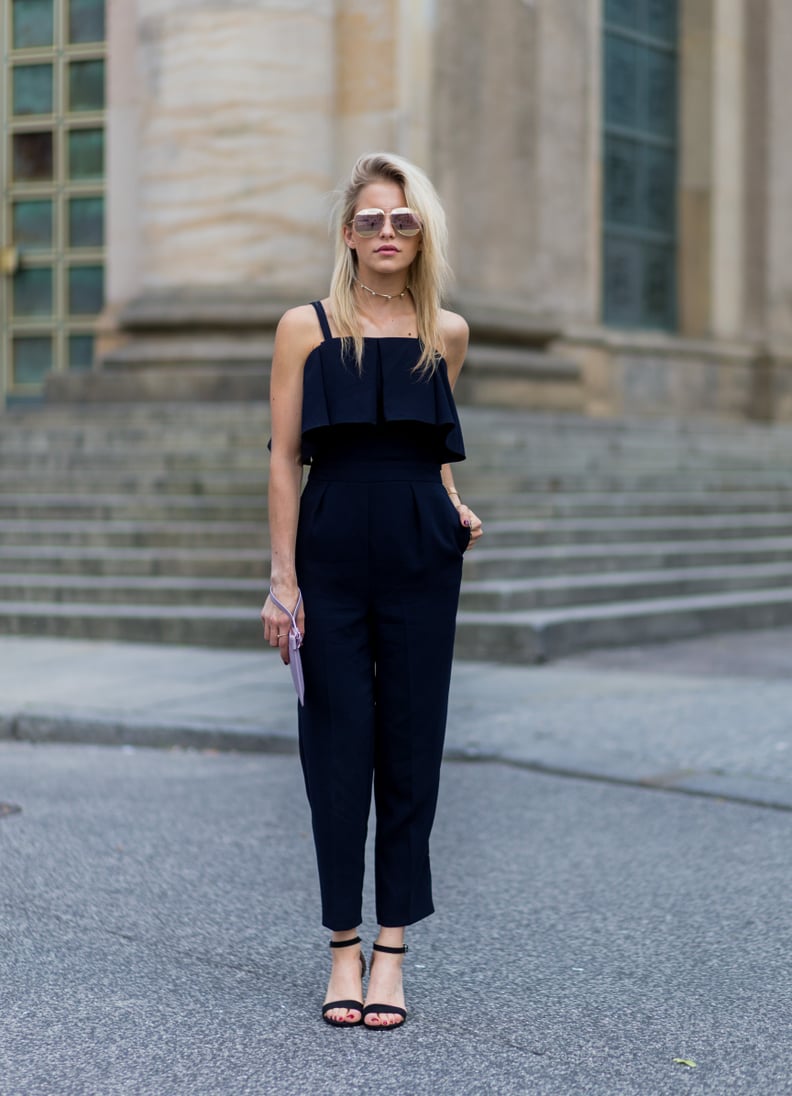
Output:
(385, 985)
(346, 982)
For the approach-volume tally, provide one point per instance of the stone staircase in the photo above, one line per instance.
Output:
(147, 522)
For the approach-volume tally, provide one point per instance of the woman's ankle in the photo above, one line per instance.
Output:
(390, 937)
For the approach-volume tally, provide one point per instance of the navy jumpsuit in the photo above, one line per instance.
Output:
(379, 562)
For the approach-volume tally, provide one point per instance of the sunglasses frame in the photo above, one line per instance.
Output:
(409, 234)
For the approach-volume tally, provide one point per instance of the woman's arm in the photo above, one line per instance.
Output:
(294, 339)
(455, 337)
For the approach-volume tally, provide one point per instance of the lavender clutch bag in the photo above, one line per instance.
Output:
(295, 642)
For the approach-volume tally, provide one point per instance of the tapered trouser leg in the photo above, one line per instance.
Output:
(379, 564)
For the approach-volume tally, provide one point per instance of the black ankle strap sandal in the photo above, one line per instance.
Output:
(356, 1005)
(369, 1010)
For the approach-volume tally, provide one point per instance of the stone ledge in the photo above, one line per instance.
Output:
(212, 381)
(223, 307)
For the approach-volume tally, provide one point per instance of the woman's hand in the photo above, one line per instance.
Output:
(468, 518)
(277, 623)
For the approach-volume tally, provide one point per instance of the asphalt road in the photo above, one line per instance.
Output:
(159, 936)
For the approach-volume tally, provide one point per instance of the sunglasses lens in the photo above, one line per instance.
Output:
(405, 222)
(368, 222)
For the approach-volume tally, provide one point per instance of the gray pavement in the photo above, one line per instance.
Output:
(158, 907)
(710, 716)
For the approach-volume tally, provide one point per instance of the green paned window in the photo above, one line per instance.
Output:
(52, 106)
(86, 20)
(33, 358)
(660, 19)
(32, 223)
(32, 89)
(623, 13)
(86, 85)
(32, 291)
(81, 348)
(86, 222)
(621, 169)
(86, 153)
(658, 285)
(658, 182)
(653, 18)
(33, 23)
(659, 96)
(32, 156)
(621, 85)
(86, 290)
(640, 63)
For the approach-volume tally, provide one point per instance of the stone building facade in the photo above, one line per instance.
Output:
(617, 176)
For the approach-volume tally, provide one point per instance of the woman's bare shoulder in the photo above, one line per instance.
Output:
(300, 320)
(452, 324)
(456, 333)
(298, 331)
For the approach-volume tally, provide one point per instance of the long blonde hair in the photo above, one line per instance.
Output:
(429, 272)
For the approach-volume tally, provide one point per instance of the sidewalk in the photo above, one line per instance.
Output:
(158, 908)
(710, 716)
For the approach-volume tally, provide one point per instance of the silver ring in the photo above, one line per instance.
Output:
(282, 634)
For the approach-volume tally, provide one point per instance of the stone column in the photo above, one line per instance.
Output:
(769, 207)
(516, 150)
(383, 79)
(124, 275)
(221, 120)
(711, 266)
(756, 45)
(779, 189)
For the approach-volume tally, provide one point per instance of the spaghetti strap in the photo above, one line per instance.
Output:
(320, 312)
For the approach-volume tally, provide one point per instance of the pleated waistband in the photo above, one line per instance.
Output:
(376, 470)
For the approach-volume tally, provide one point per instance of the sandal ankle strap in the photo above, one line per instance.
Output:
(391, 951)
(345, 943)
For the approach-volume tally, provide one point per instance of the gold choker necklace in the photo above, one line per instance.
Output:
(387, 296)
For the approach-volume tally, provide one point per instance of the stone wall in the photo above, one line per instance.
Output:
(230, 124)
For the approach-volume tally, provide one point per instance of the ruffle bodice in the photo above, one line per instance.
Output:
(386, 390)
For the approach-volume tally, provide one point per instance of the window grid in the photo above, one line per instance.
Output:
(639, 163)
(70, 333)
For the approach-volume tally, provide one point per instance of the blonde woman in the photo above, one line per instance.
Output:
(369, 558)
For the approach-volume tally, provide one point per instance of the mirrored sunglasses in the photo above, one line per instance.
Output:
(369, 222)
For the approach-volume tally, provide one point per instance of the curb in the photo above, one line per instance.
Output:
(42, 728)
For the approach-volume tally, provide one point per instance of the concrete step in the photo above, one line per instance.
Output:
(164, 529)
(143, 416)
(207, 478)
(149, 522)
(138, 533)
(522, 637)
(618, 529)
(518, 637)
(494, 595)
(110, 507)
(586, 559)
(509, 595)
(158, 482)
(69, 560)
(228, 460)
(144, 590)
(554, 480)
(590, 504)
(482, 564)
(203, 626)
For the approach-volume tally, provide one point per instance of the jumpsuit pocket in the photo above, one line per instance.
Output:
(461, 532)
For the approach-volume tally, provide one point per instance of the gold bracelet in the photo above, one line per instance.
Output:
(452, 492)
